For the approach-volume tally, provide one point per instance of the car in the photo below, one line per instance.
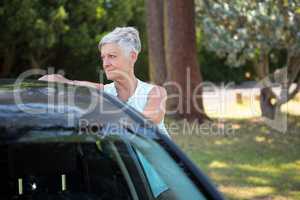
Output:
(59, 141)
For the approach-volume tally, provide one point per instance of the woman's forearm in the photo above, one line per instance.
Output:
(61, 79)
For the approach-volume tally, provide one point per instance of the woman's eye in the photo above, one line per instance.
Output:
(112, 56)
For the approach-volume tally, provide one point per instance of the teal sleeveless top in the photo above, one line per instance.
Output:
(138, 100)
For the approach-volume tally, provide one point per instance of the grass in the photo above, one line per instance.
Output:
(245, 158)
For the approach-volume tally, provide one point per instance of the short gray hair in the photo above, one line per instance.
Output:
(126, 37)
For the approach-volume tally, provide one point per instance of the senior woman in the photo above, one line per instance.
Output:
(119, 51)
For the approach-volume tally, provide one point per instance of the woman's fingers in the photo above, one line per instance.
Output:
(54, 78)
(59, 78)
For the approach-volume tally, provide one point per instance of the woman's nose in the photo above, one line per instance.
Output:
(106, 62)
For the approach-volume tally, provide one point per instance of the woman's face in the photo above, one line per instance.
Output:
(116, 64)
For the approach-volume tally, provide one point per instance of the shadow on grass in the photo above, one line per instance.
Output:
(253, 163)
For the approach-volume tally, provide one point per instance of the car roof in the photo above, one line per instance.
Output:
(44, 106)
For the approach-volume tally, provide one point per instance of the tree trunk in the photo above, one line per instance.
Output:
(285, 77)
(268, 108)
(181, 57)
(293, 72)
(261, 68)
(155, 31)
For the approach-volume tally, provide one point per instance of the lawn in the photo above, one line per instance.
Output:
(245, 158)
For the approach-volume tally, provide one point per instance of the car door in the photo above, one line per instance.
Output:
(161, 171)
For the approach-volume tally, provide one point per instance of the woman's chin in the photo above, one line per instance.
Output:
(111, 76)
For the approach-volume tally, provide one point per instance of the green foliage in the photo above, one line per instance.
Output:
(241, 30)
(65, 34)
(62, 33)
(214, 68)
(138, 20)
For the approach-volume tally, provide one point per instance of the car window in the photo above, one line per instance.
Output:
(157, 184)
(173, 182)
(60, 170)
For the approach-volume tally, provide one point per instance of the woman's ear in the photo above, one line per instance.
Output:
(133, 56)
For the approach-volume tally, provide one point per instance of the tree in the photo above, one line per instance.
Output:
(61, 33)
(257, 32)
(155, 35)
(31, 27)
(11, 23)
(181, 58)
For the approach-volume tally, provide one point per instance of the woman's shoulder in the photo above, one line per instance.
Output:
(154, 89)
(150, 85)
(144, 84)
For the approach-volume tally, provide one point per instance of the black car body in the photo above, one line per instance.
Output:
(65, 142)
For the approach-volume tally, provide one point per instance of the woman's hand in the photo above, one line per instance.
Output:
(61, 79)
(55, 78)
